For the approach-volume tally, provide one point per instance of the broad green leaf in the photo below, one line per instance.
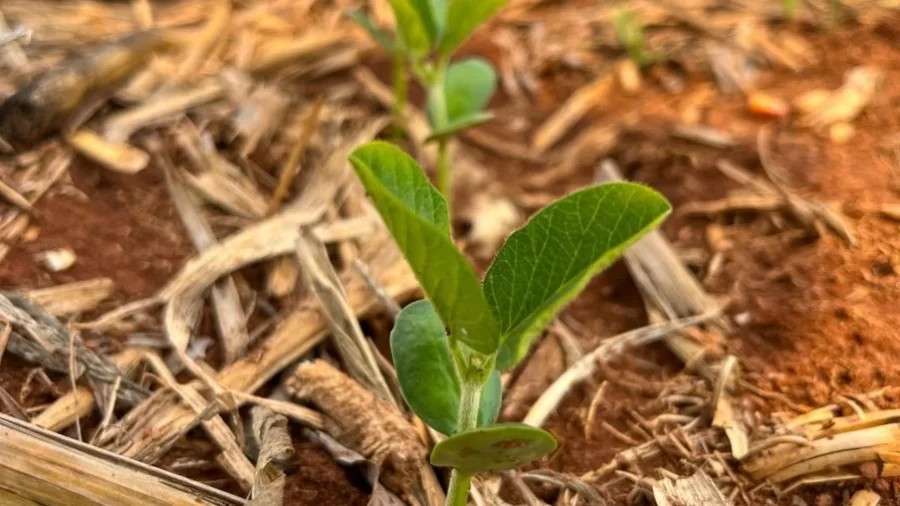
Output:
(410, 29)
(459, 125)
(416, 215)
(468, 87)
(491, 399)
(427, 372)
(431, 14)
(547, 262)
(463, 18)
(499, 447)
(377, 34)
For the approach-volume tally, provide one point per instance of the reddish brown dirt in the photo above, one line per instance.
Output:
(126, 229)
(822, 316)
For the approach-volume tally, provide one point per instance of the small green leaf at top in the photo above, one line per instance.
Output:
(500, 447)
(378, 35)
(454, 127)
(431, 14)
(416, 215)
(469, 85)
(542, 266)
(427, 372)
(410, 29)
(463, 18)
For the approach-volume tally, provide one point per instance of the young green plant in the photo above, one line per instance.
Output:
(428, 33)
(448, 349)
(630, 33)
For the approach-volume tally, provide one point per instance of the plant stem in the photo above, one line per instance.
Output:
(401, 85)
(438, 101)
(469, 402)
(444, 177)
(458, 492)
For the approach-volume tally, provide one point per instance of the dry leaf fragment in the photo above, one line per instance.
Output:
(276, 452)
(845, 104)
(811, 100)
(865, 498)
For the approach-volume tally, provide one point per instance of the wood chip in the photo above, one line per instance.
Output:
(72, 298)
(364, 423)
(115, 156)
(697, 489)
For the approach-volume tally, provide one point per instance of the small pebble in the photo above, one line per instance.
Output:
(763, 104)
(824, 500)
(57, 260)
(841, 132)
(629, 76)
(31, 234)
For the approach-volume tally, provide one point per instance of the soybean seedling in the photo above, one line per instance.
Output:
(448, 349)
(428, 33)
(630, 33)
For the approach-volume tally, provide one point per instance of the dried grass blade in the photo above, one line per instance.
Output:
(585, 367)
(80, 402)
(39, 466)
(226, 302)
(346, 332)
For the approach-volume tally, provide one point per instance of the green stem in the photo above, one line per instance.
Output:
(438, 100)
(401, 85)
(469, 402)
(444, 176)
(458, 493)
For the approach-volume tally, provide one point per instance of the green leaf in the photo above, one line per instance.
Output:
(547, 262)
(631, 35)
(469, 85)
(425, 366)
(378, 35)
(427, 372)
(431, 14)
(410, 29)
(491, 399)
(463, 18)
(416, 215)
(459, 125)
(496, 448)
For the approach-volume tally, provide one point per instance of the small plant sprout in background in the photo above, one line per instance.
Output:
(630, 33)
(400, 77)
(428, 33)
(448, 349)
